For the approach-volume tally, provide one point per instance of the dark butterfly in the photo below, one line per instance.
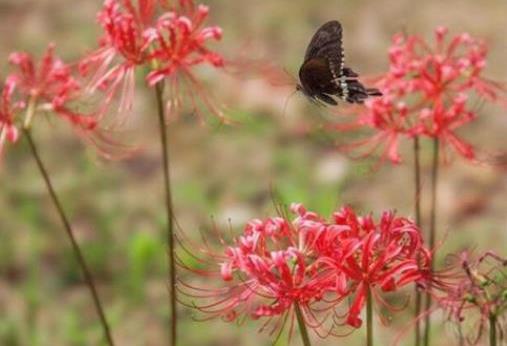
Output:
(324, 75)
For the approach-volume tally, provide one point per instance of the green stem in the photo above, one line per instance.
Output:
(417, 177)
(75, 246)
(302, 325)
(492, 329)
(417, 204)
(169, 210)
(432, 235)
(369, 319)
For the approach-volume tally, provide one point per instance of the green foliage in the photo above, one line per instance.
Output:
(145, 254)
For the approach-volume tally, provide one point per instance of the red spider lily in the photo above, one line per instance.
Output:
(180, 46)
(314, 264)
(123, 47)
(269, 270)
(389, 255)
(181, 42)
(50, 85)
(8, 130)
(477, 293)
(427, 92)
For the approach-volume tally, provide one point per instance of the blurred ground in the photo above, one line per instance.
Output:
(221, 172)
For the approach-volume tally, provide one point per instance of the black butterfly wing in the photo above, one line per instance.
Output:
(326, 42)
(317, 80)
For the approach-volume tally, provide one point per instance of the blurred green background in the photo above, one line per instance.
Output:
(221, 173)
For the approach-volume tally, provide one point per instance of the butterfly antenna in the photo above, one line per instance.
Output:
(286, 103)
(290, 76)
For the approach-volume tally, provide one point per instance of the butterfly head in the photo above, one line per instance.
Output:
(301, 88)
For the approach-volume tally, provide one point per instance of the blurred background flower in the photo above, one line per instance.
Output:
(431, 90)
(476, 302)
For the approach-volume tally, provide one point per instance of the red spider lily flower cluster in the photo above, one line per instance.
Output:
(180, 45)
(316, 264)
(427, 92)
(51, 84)
(48, 85)
(123, 47)
(478, 292)
(170, 44)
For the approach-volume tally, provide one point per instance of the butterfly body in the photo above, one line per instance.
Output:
(324, 76)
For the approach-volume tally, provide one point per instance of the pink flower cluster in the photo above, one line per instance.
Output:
(170, 45)
(427, 92)
(317, 264)
(180, 43)
(49, 85)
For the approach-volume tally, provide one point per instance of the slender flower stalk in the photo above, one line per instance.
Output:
(159, 90)
(302, 326)
(170, 40)
(369, 320)
(417, 204)
(492, 329)
(417, 181)
(434, 190)
(180, 44)
(433, 230)
(48, 86)
(68, 229)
